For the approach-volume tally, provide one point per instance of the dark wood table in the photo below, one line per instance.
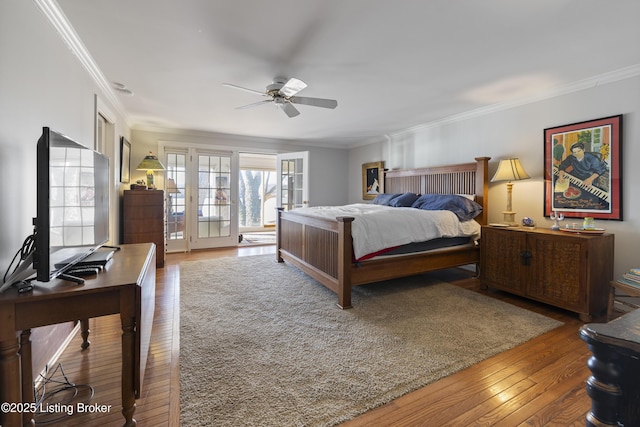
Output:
(614, 386)
(126, 286)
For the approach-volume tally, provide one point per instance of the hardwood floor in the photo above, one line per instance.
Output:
(541, 382)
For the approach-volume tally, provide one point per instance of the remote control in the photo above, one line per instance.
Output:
(85, 266)
(84, 271)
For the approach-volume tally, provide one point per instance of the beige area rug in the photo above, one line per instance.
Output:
(265, 345)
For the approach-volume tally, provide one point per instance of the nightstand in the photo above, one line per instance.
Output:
(567, 270)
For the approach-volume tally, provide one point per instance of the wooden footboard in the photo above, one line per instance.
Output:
(322, 248)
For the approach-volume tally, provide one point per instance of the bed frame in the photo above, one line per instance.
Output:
(322, 248)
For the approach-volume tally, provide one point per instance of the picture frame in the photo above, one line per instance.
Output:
(125, 160)
(582, 169)
(372, 180)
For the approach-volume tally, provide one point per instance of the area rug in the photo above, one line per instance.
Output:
(262, 344)
(261, 237)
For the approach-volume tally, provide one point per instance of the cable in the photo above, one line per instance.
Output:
(28, 246)
(44, 398)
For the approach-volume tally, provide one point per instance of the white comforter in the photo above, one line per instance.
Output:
(379, 227)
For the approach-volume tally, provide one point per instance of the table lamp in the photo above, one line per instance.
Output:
(171, 189)
(509, 170)
(150, 164)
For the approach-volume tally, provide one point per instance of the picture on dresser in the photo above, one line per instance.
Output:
(582, 172)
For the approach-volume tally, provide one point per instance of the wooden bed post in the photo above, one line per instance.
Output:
(482, 190)
(278, 232)
(345, 252)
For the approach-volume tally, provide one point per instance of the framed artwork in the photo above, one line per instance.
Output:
(582, 169)
(372, 180)
(125, 160)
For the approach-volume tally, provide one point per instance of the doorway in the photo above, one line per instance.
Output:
(257, 200)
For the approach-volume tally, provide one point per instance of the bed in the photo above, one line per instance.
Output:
(323, 247)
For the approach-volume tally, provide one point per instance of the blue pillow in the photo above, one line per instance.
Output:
(404, 200)
(464, 208)
(384, 199)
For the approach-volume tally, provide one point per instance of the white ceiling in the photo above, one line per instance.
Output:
(391, 65)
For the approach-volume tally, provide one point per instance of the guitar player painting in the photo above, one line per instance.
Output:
(582, 169)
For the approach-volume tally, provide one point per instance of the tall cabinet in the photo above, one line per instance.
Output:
(143, 219)
(563, 269)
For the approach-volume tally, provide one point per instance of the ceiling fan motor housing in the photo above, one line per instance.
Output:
(274, 87)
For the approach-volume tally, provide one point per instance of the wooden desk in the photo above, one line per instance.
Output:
(615, 367)
(125, 286)
(627, 290)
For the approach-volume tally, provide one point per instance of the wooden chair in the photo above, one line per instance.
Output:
(628, 290)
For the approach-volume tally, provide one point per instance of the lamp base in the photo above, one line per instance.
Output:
(509, 218)
(150, 185)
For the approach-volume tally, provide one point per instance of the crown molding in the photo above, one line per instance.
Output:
(51, 10)
(589, 83)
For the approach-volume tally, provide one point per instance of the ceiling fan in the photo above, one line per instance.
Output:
(281, 92)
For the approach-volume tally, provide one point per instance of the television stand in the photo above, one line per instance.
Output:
(126, 287)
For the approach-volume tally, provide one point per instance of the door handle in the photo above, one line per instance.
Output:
(525, 258)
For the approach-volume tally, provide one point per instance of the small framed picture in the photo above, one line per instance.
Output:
(125, 160)
(582, 169)
(372, 180)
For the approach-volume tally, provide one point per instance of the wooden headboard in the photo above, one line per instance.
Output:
(465, 178)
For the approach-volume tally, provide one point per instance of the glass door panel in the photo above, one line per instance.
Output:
(176, 200)
(215, 206)
(293, 185)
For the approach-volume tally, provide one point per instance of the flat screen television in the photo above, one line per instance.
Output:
(72, 213)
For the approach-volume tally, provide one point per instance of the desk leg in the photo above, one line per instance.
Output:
(27, 375)
(10, 381)
(128, 362)
(84, 332)
(603, 386)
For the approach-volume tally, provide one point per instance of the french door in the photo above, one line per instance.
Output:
(293, 180)
(215, 184)
(201, 191)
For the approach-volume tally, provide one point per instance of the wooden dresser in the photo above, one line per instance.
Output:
(143, 219)
(563, 269)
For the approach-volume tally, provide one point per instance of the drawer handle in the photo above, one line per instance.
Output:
(525, 258)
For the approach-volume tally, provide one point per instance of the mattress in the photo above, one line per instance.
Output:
(381, 228)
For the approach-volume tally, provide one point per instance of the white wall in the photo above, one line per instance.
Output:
(518, 132)
(42, 83)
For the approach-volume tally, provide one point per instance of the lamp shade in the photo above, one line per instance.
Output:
(172, 188)
(510, 170)
(150, 163)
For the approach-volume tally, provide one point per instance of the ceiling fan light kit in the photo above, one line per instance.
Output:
(281, 92)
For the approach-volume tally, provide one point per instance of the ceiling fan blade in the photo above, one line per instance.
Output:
(244, 88)
(255, 104)
(316, 102)
(289, 109)
(292, 87)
